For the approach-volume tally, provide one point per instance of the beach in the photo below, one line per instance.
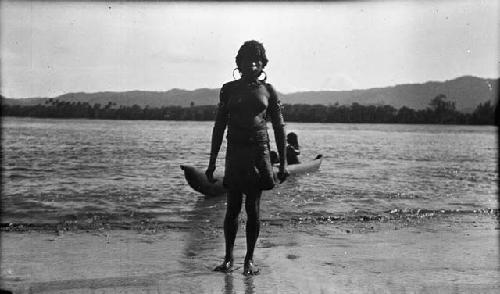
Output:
(444, 254)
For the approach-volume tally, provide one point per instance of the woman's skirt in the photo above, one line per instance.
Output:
(248, 167)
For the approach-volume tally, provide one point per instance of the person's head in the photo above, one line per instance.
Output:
(292, 139)
(251, 59)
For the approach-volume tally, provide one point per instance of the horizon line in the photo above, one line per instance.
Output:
(282, 92)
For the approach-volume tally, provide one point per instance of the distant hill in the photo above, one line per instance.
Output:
(152, 98)
(467, 92)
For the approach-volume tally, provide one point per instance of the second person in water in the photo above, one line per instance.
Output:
(292, 150)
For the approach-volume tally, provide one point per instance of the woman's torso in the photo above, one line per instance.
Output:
(247, 105)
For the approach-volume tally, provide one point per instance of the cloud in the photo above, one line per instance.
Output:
(178, 55)
(339, 82)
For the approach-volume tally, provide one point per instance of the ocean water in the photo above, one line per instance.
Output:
(128, 171)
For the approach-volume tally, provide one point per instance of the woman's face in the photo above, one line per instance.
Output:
(251, 67)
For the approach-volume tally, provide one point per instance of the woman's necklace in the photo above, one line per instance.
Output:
(253, 83)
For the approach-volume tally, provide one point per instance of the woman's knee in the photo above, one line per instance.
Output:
(252, 208)
(232, 214)
(253, 217)
(233, 208)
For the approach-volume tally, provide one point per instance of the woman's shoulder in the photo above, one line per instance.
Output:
(230, 85)
(270, 89)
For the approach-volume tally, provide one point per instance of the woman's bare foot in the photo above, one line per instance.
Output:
(249, 269)
(225, 267)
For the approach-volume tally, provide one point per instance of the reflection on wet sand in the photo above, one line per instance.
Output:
(99, 286)
(205, 223)
(229, 285)
(249, 286)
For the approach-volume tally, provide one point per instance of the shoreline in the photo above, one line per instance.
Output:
(90, 224)
(448, 254)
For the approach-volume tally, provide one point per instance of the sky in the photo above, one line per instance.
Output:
(52, 48)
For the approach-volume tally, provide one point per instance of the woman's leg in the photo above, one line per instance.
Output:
(233, 209)
(234, 200)
(252, 207)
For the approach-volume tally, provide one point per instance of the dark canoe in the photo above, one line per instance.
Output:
(198, 181)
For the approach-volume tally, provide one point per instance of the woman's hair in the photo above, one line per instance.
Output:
(292, 139)
(253, 50)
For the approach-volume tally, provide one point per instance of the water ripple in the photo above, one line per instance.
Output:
(128, 171)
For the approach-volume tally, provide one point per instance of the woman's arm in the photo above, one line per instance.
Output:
(274, 110)
(221, 119)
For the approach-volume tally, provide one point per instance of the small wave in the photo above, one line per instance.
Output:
(424, 159)
(413, 211)
(97, 165)
(44, 170)
(16, 168)
(147, 221)
(19, 176)
(394, 214)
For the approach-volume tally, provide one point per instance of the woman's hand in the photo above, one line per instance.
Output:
(210, 173)
(282, 174)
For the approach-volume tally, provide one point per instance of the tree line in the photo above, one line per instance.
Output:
(439, 111)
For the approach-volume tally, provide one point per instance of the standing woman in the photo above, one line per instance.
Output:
(244, 107)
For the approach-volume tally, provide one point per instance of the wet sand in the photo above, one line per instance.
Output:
(446, 255)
